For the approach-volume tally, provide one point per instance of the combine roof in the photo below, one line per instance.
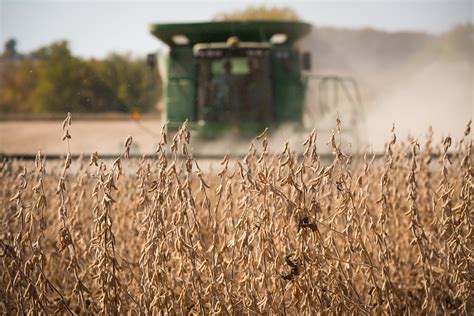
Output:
(246, 31)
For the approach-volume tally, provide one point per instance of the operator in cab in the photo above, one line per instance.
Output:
(221, 91)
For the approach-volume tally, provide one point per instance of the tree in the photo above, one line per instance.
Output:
(260, 13)
(458, 42)
(17, 82)
(52, 79)
(133, 85)
(10, 48)
(66, 83)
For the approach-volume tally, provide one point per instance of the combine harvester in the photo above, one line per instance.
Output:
(240, 77)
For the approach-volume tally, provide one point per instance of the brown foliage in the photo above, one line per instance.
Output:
(271, 234)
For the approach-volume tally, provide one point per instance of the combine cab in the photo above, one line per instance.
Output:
(233, 75)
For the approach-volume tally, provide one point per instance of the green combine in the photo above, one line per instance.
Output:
(239, 76)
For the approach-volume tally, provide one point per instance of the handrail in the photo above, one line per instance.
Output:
(346, 83)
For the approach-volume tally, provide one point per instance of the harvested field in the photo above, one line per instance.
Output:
(270, 234)
(29, 136)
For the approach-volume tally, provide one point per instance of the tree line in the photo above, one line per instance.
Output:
(51, 79)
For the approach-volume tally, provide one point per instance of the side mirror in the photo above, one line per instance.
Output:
(151, 61)
(306, 61)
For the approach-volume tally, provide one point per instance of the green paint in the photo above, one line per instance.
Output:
(283, 77)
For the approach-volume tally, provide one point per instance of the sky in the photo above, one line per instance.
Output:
(97, 28)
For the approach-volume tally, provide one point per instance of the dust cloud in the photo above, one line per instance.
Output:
(412, 80)
(438, 95)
